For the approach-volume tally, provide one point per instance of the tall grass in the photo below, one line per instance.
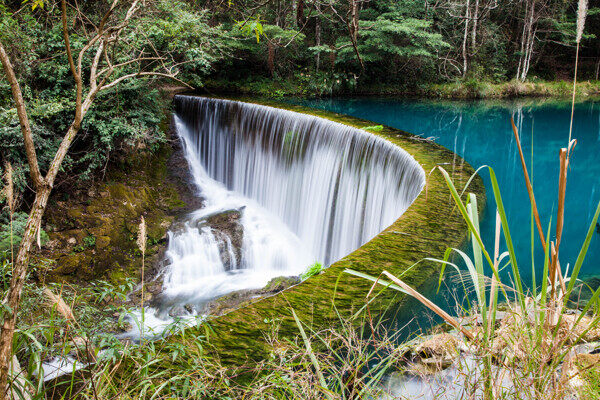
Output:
(536, 338)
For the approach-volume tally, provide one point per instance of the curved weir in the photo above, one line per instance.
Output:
(308, 189)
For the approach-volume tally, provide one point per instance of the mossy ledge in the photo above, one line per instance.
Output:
(426, 229)
(93, 230)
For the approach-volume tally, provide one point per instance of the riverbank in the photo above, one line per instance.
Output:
(465, 89)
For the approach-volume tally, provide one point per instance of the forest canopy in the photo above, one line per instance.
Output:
(306, 47)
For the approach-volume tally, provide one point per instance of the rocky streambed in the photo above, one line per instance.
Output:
(447, 365)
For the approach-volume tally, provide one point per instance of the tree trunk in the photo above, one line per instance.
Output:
(353, 30)
(300, 13)
(527, 40)
(318, 35)
(465, 39)
(13, 296)
(332, 57)
(34, 221)
(474, 30)
(271, 57)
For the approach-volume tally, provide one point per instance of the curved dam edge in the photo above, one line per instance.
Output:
(426, 229)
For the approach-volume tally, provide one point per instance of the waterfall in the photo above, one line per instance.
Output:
(308, 189)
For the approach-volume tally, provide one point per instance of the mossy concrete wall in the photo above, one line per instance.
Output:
(429, 226)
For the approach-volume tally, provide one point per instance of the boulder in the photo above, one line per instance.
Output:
(230, 301)
(177, 311)
(227, 226)
(190, 308)
(240, 298)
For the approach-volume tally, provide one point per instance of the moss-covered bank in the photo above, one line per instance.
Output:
(93, 231)
(461, 89)
(426, 229)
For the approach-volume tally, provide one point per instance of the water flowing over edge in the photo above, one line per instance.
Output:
(305, 189)
(310, 190)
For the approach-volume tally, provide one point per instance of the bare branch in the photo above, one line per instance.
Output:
(76, 72)
(146, 73)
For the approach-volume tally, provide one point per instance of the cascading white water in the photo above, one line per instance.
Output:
(309, 189)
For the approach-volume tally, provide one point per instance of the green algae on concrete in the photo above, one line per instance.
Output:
(429, 226)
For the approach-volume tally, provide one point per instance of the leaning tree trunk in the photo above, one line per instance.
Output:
(13, 296)
(32, 228)
(353, 27)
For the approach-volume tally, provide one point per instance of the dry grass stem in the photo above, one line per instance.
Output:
(582, 10)
(429, 304)
(54, 300)
(141, 239)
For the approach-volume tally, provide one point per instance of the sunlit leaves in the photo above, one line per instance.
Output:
(251, 28)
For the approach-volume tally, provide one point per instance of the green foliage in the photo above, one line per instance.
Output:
(251, 28)
(312, 270)
(87, 243)
(122, 119)
(19, 223)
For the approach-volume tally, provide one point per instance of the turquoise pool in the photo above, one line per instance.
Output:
(480, 132)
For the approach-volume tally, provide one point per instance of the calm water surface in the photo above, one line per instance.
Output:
(480, 132)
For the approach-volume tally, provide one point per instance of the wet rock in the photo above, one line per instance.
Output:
(444, 345)
(280, 283)
(177, 311)
(190, 308)
(155, 287)
(240, 298)
(229, 232)
(230, 302)
(178, 227)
